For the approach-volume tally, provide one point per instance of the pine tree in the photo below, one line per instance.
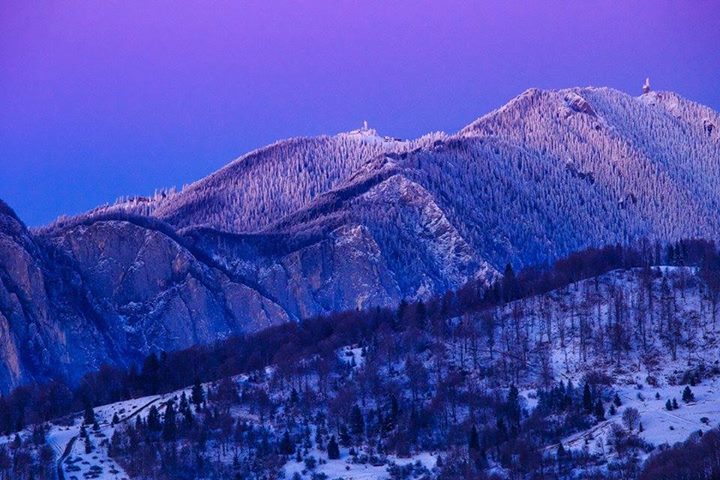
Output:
(286, 445)
(675, 404)
(333, 449)
(153, 420)
(501, 429)
(151, 374)
(509, 284)
(668, 405)
(169, 425)
(197, 395)
(687, 395)
(115, 443)
(89, 416)
(357, 422)
(587, 399)
(513, 406)
(474, 440)
(599, 410)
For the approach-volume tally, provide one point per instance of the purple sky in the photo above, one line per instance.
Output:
(102, 99)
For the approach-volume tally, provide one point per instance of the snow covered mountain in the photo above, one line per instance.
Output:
(309, 226)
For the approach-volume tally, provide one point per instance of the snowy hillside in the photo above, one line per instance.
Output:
(589, 380)
(265, 184)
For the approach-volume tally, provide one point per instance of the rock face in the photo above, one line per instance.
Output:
(309, 226)
(110, 291)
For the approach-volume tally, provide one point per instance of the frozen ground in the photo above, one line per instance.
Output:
(345, 469)
(660, 426)
(75, 462)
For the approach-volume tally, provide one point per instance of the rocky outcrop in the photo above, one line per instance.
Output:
(110, 292)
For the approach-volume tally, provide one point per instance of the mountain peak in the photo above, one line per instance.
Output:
(588, 100)
(366, 133)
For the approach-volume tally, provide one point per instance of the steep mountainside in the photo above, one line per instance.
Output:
(111, 291)
(308, 226)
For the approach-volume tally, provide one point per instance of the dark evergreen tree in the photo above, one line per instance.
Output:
(513, 406)
(153, 420)
(150, 374)
(333, 449)
(474, 440)
(286, 445)
(509, 284)
(501, 430)
(357, 422)
(169, 431)
(197, 395)
(599, 410)
(687, 395)
(89, 416)
(587, 399)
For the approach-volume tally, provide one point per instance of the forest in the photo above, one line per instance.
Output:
(476, 376)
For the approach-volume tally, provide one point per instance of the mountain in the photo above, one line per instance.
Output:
(309, 226)
(111, 291)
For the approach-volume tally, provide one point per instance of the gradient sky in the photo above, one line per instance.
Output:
(110, 98)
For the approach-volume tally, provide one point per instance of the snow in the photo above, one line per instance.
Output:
(352, 355)
(345, 469)
(96, 464)
(660, 426)
(64, 437)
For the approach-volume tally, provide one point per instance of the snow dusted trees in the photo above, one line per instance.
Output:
(631, 418)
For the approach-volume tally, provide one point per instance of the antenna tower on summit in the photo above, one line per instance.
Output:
(646, 86)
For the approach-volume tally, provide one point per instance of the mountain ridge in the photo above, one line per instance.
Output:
(311, 226)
